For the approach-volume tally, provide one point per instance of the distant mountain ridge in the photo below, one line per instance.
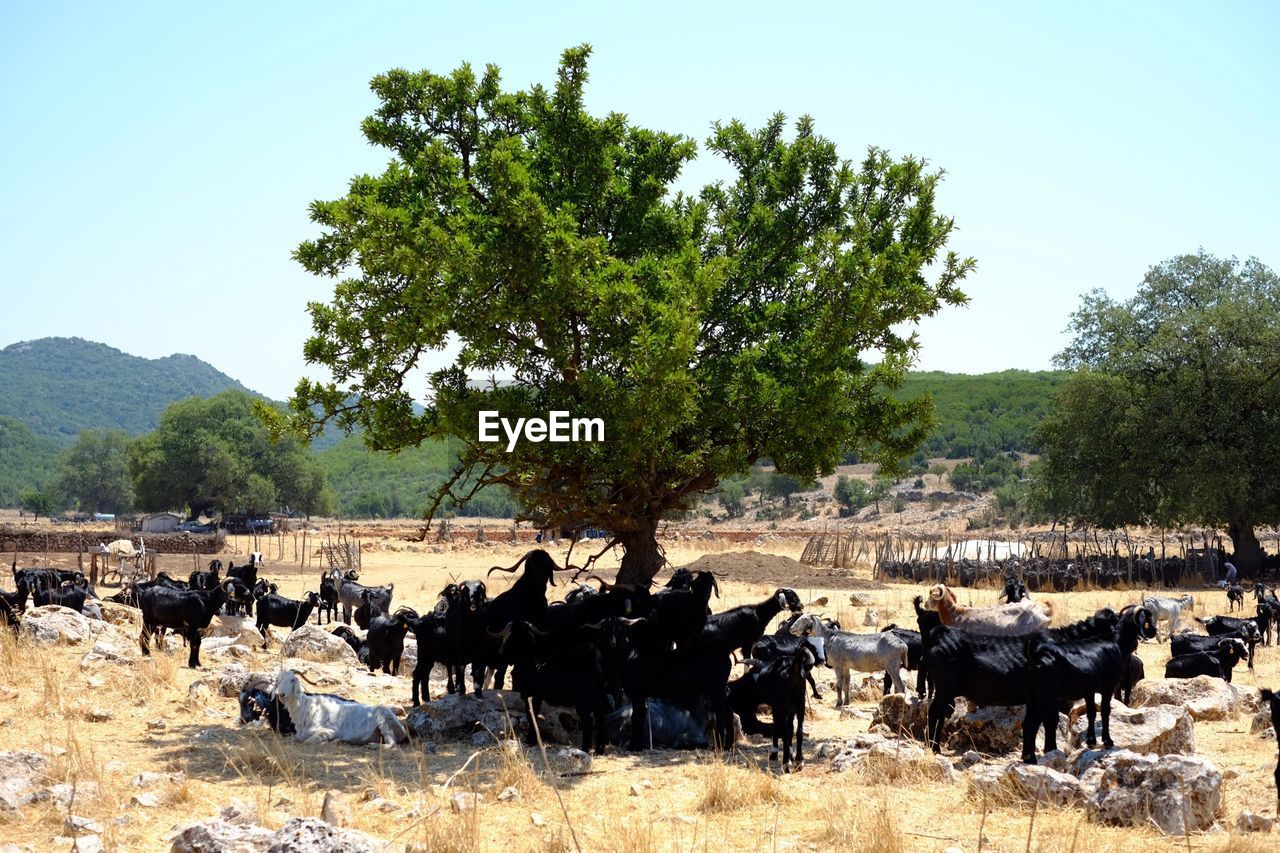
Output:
(60, 386)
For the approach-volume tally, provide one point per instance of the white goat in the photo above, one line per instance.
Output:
(322, 716)
(1168, 610)
(1000, 620)
(847, 652)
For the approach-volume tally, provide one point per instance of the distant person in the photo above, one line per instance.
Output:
(1231, 573)
(1151, 554)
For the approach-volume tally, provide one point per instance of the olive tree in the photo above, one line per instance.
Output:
(1173, 413)
(516, 234)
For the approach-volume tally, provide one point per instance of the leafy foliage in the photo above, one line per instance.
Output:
(852, 494)
(1173, 413)
(376, 484)
(708, 331)
(215, 454)
(27, 461)
(95, 472)
(61, 386)
(985, 414)
(39, 502)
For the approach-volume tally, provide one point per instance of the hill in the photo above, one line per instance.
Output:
(984, 412)
(26, 460)
(60, 386)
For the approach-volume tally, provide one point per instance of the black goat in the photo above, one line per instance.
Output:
(386, 638)
(358, 645)
(1064, 670)
(1185, 644)
(742, 627)
(1268, 618)
(779, 645)
(247, 575)
(464, 626)
(684, 675)
(328, 599)
(257, 702)
(779, 683)
(38, 579)
(1013, 592)
(915, 655)
(678, 614)
(284, 612)
(562, 667)
(989, 670)
(926, 621)
(185, 611)
(208, 579)
(12, 606)
(70, 596)
(429, 631)
(1218, 664)
(525, 601)
(1273, 702)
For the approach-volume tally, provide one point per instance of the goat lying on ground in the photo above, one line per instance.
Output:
(259, 702)
(321, 716)
(1245, 630)
(847, 653)
(1168, 610)
(1218, 663)
(355, 641)
(999, 620)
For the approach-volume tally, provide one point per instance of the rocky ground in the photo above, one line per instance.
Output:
(131, 753)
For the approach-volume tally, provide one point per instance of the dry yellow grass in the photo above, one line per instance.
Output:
(693, 801)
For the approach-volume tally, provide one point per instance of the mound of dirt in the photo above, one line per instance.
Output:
(754, 567)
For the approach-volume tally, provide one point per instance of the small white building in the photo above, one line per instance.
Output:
(160, 522)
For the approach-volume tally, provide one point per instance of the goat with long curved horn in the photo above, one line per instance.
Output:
(508, 568)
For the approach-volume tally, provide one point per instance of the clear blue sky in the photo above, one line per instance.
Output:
(158, 159)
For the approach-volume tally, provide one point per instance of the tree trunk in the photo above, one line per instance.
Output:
(641, 559)
(1248, 552)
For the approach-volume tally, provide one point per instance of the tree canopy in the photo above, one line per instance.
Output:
(95, 472)
(1172, 416)
(216, 455)
(764, 315)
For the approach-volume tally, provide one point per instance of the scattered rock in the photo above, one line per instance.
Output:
(1026, 783)
(309, 834)
(537, 819)
(238, 629)
(508, 794)
(227, 681)
(20, 771)
(104, 653)
(457, 717)
(573, 760)
(147, 800)
(1178, 793)
(121, 615)
(312, 834)
(335, 810)
(1250, 822)
(465, 802)
(1260, 723)
(904, 715)
(99, 715)
(63, 795)
(239, 812)
(156, 725)
(1162, 729)
(78, 824)
(54, 625)
(636, 790)
(859, 599)
(82, 844)
(313, 643)
(996, 730)
(1205, 697)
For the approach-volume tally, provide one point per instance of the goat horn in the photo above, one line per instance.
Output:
(538, 633)
(595, 626)
(605, 586)
(511, 569)
(304, 678)
(500, 635)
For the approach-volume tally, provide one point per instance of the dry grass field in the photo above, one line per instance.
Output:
(646, 802)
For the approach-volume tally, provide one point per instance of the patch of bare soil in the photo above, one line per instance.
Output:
(774, 569)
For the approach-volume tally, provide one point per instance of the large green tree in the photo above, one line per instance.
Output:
(767, 314)
(95, 472)
(215, 455)
(1173, 414)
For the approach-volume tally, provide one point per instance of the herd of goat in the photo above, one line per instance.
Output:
(602, 649)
